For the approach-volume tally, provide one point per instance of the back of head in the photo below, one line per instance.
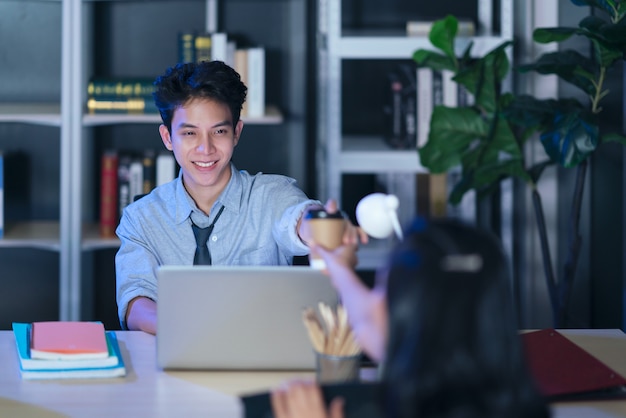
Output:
(454, 348)
(210, 80)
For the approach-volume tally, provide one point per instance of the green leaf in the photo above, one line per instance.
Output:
(569, 65)
(434, 60)
(547, 35)
(442, 34)
(570, 139)
(452, 130)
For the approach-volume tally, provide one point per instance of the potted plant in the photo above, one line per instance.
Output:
(487, 138)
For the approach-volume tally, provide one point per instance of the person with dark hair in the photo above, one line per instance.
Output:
(441, 321)
(212, 213)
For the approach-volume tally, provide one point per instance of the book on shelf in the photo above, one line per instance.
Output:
(219, 46)
(165, 168)
(256, 82)
(400, 111)
(425, 102)
(202, 46)
(124, 105)
(123, 182)
(108, 194)
(136, 177)
(186, 47)
(422, 27)
(149, 171)
(432, 195)
(109, 365)
(123, 87)
(240, 65)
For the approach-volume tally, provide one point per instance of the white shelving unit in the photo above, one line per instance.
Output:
(339, 153)
(70, 236)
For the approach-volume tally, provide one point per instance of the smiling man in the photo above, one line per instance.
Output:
(251, 219)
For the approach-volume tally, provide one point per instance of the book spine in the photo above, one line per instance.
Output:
(219, 46)
(132, 105)
(108, 194)
(149, 172)
(422, 28)
(136, 178)
(111, 88)
(450, 89)
(424, 104)
(202, 47)
(241, 66)
(165, 168)
(123, 180)
(256, 80)
(186, 47)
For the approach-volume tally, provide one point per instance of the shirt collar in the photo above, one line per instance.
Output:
(183, 205)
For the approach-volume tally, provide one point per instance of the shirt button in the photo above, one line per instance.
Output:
(214, 238)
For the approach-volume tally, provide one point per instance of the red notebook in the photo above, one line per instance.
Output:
(68, 340)
(563, 369)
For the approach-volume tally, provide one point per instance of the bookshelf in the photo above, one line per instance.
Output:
(350, 43)
(126, 38)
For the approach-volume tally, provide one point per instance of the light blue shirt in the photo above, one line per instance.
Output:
(257, 227)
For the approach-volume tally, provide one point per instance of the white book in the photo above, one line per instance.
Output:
(423, 27)
(165, 168)
(241, 66)
(424, 104)
(136, 178)
(219, 46)
(450, 89)
(256, 82)
(231, 47)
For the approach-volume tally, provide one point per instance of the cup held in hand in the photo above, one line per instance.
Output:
(327, 230)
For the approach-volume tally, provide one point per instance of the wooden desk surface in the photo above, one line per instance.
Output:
(149, 392)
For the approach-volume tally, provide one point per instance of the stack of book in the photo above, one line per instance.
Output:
(121, 95)
(125, 176)
(249, 62)
(67, 350)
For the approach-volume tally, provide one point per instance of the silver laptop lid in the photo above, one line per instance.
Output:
(237, 317)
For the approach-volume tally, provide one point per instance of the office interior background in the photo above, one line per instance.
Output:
(139, 38)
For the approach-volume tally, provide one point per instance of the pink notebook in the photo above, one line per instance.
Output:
(68, 340)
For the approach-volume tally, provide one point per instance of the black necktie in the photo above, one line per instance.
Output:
(203, 256)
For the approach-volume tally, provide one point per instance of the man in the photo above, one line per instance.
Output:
(254, 219)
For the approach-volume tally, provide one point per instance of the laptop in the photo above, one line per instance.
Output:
(237, 317)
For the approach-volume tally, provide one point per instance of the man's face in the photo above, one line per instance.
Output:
(203, 140)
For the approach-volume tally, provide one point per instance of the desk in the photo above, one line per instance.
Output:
(149, 392)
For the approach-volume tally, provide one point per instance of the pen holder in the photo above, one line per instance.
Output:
(337, 369)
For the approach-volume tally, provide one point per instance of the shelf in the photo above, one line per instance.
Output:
(370, 154)
(373, 255)
(272, 117)
(403, 47)
(41, 235)
(48, 114)
(93, 241)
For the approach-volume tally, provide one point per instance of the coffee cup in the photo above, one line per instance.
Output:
(327, 230)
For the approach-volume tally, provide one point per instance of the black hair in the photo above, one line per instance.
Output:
(213, 80)
(454, 349)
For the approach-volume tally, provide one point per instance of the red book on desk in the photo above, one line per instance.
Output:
(563, 369)
(68, 340)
